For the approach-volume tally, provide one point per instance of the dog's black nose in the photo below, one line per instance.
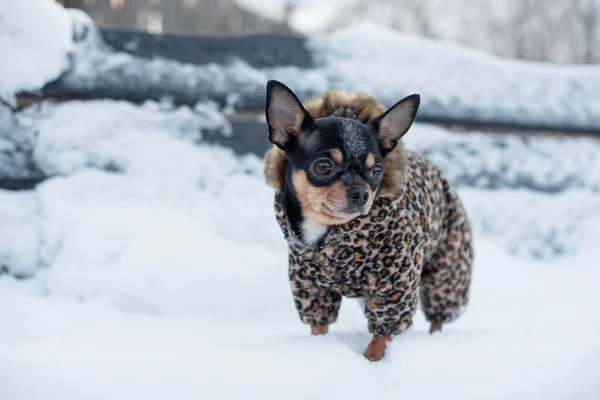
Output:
(358, 196)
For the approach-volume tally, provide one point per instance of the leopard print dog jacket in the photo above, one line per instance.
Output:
(417, 243)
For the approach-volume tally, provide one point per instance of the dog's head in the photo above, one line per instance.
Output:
(336, 163)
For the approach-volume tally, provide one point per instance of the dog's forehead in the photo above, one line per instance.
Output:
(351, 137)
(355, 138)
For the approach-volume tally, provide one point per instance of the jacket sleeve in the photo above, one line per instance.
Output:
(316, 305)
(392, 306)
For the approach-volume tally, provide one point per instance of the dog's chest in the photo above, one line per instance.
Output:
(370, 251)
(365, 249)
(357, 256)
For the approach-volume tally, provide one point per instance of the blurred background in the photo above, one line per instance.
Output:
(557, 31)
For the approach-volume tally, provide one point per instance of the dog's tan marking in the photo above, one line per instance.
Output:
(301, 184)
(325, 219)
(370, 160)
(319, 330)
(337, 155)
(319, 204)
(376, 349)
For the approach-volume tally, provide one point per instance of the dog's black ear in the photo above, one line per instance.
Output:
(396, 121)
(285, 115)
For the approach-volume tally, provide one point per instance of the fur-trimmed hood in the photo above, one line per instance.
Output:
(358, 106)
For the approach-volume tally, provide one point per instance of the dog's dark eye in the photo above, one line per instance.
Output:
(376, 173)
(323, 167)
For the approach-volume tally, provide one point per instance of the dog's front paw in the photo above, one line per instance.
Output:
(376, 349)
(319, 330)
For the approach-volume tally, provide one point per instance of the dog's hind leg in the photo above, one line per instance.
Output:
(435, 327)
(446, 278)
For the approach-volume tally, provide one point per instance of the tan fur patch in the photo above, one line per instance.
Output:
(319, 330)
(325, 219)
(435, 327)
(366, 109)
(336, 154)
(370, 160)
(275, 164)
(394, 173)
(317, 203)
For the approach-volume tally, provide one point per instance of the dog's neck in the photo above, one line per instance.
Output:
(308, 231)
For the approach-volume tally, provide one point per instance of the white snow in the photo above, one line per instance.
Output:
(19, 234)
(548, 163)
(456, 81)
(35, 39)
(115, 134)
(529, 333)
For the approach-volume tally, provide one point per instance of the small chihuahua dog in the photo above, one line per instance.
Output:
(363, 217)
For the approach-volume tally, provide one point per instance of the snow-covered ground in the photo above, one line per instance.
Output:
(530, 333)
(156, 269)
